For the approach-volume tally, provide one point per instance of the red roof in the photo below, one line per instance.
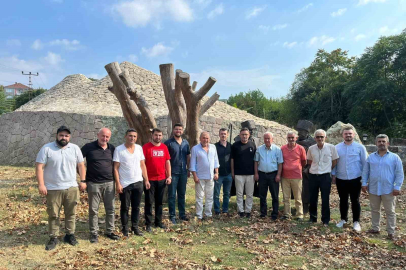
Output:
(17, 86)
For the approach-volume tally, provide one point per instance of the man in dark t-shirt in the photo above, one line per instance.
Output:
(100, 182)
(242, 171)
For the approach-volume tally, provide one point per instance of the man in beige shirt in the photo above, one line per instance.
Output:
(322, 158)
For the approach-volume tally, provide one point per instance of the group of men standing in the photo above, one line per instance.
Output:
(130, 170)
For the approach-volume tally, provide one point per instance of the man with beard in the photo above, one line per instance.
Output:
(180, 157)
(347, 176)
(204, 166)
(129, 170)
(100, 182)
(56, 174)
(157, 160)
(383, 177)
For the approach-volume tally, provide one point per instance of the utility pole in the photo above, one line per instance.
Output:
(29, 81)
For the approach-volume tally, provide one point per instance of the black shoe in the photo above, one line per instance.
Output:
(94, 238)
(125, 233)
(299, 219)
(112, 236)
(148, 228)
(173, 220)
(284, 218)
(70, 239)
(185, 218)
(53, 241)
(160, 225)
(262, 216)
(136, 231)
(217, 213)
(274, 218)
(248, 215)
(242, 214)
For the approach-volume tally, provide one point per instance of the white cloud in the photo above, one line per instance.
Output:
(157, 50)
(339, 12)
(279, 26)
(254, 12)
(386, 30)
(359, 37)
(289, 45)
(133, 58)
(138, 13)
(305, 8)
(13, 43)
(320, 41)
(364, 2)
(202, 3)
(264, 28)
(37, 45)
(65, 43)
(215, 12)
(53, 59)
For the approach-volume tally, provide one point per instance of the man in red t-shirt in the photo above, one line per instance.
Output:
(157, 161)
(294, 156)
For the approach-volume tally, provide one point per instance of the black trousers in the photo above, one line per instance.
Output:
(352, 189)
(131, 196)
(267, 181)
(154, 195)
(305, 193)
(322, 183)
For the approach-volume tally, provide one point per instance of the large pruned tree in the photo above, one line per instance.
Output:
(183, 101)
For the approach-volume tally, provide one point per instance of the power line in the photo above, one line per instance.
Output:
(29, 74)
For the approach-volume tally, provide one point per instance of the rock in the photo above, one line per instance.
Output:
(334, 133)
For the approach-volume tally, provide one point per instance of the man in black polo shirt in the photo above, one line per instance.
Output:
(242, 171)
(225, 180)
(100, 182)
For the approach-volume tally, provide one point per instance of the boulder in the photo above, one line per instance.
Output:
(334, 133)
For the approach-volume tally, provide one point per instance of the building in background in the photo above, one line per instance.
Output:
(14, 90)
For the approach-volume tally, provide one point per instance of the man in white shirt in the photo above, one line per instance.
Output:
(322, 158)
(129, 171)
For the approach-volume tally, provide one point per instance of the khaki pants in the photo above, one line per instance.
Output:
(98, 192)
(294, 185)
(244, 182)
(389, 204)
(68, 198)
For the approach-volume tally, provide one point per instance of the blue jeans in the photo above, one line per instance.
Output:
(226, 181)
(178, 185)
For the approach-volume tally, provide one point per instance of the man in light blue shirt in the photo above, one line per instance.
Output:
(383, 177)
(204, 166)
(268, 169)
(347, 176)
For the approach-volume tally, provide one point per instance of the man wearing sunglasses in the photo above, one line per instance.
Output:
(322, 158)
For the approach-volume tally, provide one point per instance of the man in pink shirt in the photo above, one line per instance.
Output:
(294, 156)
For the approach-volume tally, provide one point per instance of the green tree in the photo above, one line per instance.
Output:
(2, 100)
(27, 96)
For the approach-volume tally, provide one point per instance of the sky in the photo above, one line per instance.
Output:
(244, 44)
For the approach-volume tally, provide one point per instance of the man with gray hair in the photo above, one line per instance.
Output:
(383, 177)
(100, 182)
(268, 168)
(322, 158)
(204, 166)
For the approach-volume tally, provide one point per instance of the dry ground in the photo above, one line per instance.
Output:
(223, 243)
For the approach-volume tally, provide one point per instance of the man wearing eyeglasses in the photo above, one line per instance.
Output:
(322, 158)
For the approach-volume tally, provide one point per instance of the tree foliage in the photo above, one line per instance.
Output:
(27, 96)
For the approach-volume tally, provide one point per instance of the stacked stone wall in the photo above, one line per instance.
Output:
(23, 133)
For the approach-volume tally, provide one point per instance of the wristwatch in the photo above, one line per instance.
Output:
(82, 181)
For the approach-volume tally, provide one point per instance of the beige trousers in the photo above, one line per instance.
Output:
(389, 204)
(294, 185)
(244, 182)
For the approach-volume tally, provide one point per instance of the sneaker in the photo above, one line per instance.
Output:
(125, 233)
(94, 238)
(357, 226)
(325, 224)
(247, 215)
(70, 239)
(299, 219)
(136, 231)
(53, 241)
(284, 218)
(242, 214)
(391, 236)
(184, 218)
(173, 220)
(217, 213)
(161, 225)
(112, 236)
(372, 231)
(148, 228)
(341, 223)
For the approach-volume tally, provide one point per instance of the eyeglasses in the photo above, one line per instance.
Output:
(319, 137)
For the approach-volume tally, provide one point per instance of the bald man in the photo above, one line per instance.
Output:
(100, 182)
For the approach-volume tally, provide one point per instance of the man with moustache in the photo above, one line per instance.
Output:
(382, 178)
(180, 158)
(204, 166)
(157, 161)
(322, 158)
(294, 159)
(129, 172)
(347, 176)
(56, 174)
(224, 155)
(268, 169)
(100, 182)
(242, 171)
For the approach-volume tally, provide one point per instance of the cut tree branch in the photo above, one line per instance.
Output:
(210, 102)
